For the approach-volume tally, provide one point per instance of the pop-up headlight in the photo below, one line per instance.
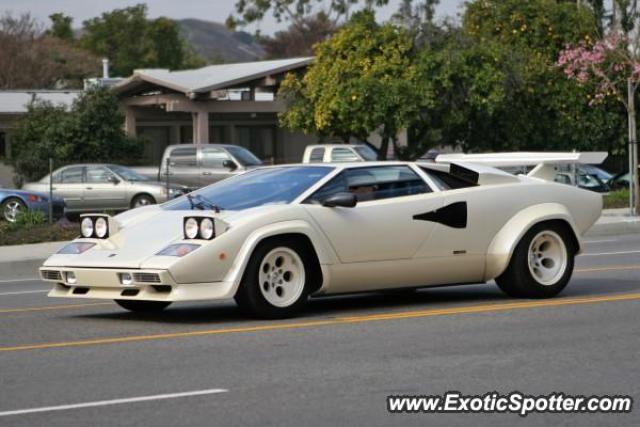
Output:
(199, 228)
(96, 226)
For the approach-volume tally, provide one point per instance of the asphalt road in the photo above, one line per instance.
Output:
(335, 365)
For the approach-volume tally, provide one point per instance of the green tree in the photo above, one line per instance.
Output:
(131, 41)
(499, 88)
(91, 129)
(363, 80)
(296, 11)
(61, 27)
(298, 40)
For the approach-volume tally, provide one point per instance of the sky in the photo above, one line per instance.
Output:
(210, 10)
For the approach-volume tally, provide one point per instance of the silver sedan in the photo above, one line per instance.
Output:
(97, 187)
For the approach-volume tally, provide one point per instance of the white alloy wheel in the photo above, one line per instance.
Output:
(547, 257)
(281, 277)
(12, 209)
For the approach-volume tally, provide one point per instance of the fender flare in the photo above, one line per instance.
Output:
(504, 242)
(320, 245)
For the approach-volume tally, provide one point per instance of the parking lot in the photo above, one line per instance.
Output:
(67, 361)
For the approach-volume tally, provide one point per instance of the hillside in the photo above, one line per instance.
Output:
(216, 43)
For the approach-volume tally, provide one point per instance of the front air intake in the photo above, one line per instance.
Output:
(51, 275)
(146, 277)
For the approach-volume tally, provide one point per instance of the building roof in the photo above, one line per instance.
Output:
(17, 101)
(212, 77)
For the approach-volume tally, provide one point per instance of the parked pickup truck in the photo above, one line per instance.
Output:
(198, 165)
(332, 153)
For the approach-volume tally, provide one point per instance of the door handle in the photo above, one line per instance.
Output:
(89, 188)
(206, 173)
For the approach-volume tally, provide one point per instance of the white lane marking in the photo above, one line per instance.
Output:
(37, 279)
(40, 291)
(113, 402)
(611, 253)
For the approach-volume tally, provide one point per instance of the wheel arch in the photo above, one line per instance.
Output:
(504, 242)
(297, 229)
(142, 193)
(13, 196)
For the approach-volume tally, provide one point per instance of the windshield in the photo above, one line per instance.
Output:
(366, 152)
(272, 186)
(127, 174)
(244, 156)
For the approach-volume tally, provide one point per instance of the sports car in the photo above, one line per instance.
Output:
(272, 237)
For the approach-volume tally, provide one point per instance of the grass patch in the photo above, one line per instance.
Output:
(12, 234)
(616, 199)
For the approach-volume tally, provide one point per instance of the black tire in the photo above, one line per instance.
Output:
(249, 296)
(143, 306)
(142, 200)
(6, 205)
(519, 281)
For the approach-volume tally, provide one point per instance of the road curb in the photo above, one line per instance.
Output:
(619, 228)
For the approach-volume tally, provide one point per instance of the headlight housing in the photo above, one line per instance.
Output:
(76, 248)
(178, 249)
(199, 228)
(95, 226)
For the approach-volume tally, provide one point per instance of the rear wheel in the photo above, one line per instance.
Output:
(11, 208)
(541, 264)
(142, 200)
(143, 306)
(277, 280)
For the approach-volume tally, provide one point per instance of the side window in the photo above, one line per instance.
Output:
(184, 157)
(213, 158)
(374, 183)
(445, 180)
(343, 155)
(317, 155)
(98, 175)
(72, 175)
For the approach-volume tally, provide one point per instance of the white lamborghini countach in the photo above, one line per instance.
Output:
(273, 237)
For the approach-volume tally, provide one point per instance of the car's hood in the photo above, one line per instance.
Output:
(142, 233)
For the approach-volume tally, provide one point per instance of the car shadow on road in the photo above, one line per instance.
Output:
(221, 313)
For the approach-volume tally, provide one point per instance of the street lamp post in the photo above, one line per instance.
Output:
(633, 149)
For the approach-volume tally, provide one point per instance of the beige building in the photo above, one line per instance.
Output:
(228, 103)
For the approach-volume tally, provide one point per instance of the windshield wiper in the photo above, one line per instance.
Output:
(200, 202)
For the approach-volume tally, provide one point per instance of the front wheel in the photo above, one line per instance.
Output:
(277, 280)
(541, 264)
(11, 208)
(143, 306)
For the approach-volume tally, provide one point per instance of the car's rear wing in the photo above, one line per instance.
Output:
(544, 162)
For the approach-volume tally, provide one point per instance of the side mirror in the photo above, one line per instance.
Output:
(230, 164)
(113, 179)
(343, 200)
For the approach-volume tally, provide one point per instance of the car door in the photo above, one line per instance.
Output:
(382, 226)
(104, 190)
(212, 165)
(183, 167)
(68, 183)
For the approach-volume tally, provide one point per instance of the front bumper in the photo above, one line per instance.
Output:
(147, 285)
